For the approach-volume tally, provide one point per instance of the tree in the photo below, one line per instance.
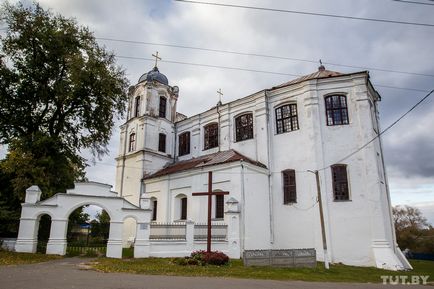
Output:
(412, 229)
(59, 94)
(101, 226)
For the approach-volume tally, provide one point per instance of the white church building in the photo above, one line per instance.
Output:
(264, 149)
(302, 164)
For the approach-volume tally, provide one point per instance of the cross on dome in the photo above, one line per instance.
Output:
(156, 58)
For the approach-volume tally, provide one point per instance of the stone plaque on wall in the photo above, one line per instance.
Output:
(290, 258)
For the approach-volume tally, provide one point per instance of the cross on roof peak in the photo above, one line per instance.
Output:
(220, 93)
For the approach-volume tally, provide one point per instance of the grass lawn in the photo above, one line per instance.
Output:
(13, 258)
(337, 273)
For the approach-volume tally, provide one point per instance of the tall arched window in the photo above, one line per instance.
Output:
(137, 106)
(183, 208)
(244, 127)
(162, 142)
(162, 107)
(336, 109)
(154, 209)
(286, 118)
(184, 143)
(340, 183)
(211, 136)
(219, 206)
(132, 143)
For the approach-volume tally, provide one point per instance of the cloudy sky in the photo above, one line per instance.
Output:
(375, 46)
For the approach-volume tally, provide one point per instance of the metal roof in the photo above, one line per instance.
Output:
(320, 74)
(204, 161)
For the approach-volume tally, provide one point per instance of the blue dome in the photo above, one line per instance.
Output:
(154, 74)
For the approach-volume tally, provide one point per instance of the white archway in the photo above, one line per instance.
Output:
(60, 206)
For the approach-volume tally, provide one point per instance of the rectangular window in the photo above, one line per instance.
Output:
(219, 206)
(286, 118)
(137, 106)
(183, 209)
(184, 143)
(211, 136)
(289, 187)
(132, 142)
(336, 110)
(340, 183)
(162, 111)
(244, 127)
(162, 142)
(154, 211)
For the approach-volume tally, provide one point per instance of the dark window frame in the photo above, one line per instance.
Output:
(184, 143)
(162, 109)
(137, 106)
(244, 127)
(219, 206)
(183, 204)
(289, 187)
(336, 108)
(210, 136)
(162, 142)
(341, 186)
(132, 142)
(286, 118)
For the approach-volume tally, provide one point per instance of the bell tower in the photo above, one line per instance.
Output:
(147, 138)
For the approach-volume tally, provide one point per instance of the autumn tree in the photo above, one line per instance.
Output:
(60, 93)
(412, 229)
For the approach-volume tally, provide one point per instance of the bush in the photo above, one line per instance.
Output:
(212, 258)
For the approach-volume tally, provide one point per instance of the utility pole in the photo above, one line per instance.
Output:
(321, 216)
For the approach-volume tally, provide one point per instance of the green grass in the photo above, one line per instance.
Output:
(337, 273)
(13, 258)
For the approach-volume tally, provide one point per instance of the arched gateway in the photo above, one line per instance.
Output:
(60, 206)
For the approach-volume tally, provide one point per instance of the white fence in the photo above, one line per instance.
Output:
(167, 231)
(178, 231)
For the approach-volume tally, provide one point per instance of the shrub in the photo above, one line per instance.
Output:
(212, 258)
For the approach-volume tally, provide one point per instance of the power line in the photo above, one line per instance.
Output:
(259, 55)
(308, 13)
(210, 65)
(414, 2)
(382, 132)
(248, 70)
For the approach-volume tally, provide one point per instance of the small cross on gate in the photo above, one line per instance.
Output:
(210, 193)
(156, 58)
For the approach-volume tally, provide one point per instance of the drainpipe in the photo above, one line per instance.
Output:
(123, 160)
(243, 211)
(218, 124)
(175, 129)
(269, 164)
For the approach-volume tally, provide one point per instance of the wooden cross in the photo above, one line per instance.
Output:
(210, 193)
(220, 93)
(156, 58)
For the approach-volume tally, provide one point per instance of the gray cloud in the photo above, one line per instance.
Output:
(408, 147)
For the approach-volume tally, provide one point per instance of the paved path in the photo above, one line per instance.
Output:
(65, 274)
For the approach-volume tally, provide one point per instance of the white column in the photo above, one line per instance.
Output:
(114, 243)
(233, 235)
(57, 243)
(189, 235)
(27, 235)
(142, 245)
